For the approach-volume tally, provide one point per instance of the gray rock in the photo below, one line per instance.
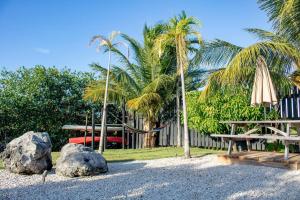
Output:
(78, 160)
(28, 154)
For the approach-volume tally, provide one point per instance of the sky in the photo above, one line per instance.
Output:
(57, 32)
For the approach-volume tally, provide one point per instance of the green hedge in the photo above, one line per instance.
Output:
(228, 104)
(41, 99)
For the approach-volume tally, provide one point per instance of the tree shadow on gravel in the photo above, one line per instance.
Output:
(135, 180)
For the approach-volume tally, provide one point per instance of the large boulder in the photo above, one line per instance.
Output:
(28, 154)
(79, 160)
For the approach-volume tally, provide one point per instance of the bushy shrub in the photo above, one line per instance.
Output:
(229, 104)
(41, 99)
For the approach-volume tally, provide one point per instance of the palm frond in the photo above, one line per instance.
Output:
(214, 83)
(95, 92)
(122, 77)
(285, 15)
(161, 85)
(265, 35)
(247, 58)
(218, 53)
(148, 104)
(113, 35)
(295, 78)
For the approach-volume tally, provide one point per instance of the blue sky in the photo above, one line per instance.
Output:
(57, 32)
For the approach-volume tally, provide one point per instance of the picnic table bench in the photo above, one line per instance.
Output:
(272, 125)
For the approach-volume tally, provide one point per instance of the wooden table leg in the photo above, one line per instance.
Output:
(232, 132)
(286, 143)
(248, 145)
(247, 141)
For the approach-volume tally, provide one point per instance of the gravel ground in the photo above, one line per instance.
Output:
(170, 178)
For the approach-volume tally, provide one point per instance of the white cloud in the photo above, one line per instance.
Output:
(42, 50)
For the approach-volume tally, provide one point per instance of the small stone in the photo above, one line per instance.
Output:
(45, 173)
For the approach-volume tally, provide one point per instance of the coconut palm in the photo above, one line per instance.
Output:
(285, 17)
(108, 45)
(280, 48)
(154, 75)
(149, 81)
(179, 31)
(237, 64)
(143, 83)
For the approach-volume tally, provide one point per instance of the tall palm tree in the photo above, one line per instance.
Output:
(178, 32)
(154, 75)
(141, 83)
(280, 48)
(147, 82)
(108, 45)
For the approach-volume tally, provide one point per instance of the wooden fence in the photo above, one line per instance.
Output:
(168, 137)
(289, 108)
(289, 105)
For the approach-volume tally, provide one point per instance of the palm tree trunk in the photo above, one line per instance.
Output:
(103, 122)
(178, 115)
(185, 124)
(149, 138)
(182, 55)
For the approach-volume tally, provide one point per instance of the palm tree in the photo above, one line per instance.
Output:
(179, 30)
(108, 45)
(142, 84)
(285, 17)
(155, 76)
(280, 48)
(148, 81)
(237, 64)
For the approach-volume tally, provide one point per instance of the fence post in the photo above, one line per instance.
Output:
(93, 129)
(123, 124)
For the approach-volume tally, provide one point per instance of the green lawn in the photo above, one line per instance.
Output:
(119, 155)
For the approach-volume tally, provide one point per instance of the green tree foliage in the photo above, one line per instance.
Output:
(228, 104)
(41, 99)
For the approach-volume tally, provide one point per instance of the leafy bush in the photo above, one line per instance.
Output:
(229, 104)
(41, 99)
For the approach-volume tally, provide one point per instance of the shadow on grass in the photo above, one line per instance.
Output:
(121, 160)
(202, 155)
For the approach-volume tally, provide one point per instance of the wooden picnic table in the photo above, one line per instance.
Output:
(283, 134)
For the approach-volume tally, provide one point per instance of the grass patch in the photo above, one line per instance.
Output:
(120, 155)
(55, 156)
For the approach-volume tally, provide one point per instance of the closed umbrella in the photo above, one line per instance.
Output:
(263, 92)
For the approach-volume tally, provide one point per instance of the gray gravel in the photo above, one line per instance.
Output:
(170, 178)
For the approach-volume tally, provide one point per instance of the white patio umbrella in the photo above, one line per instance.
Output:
(263, 92)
